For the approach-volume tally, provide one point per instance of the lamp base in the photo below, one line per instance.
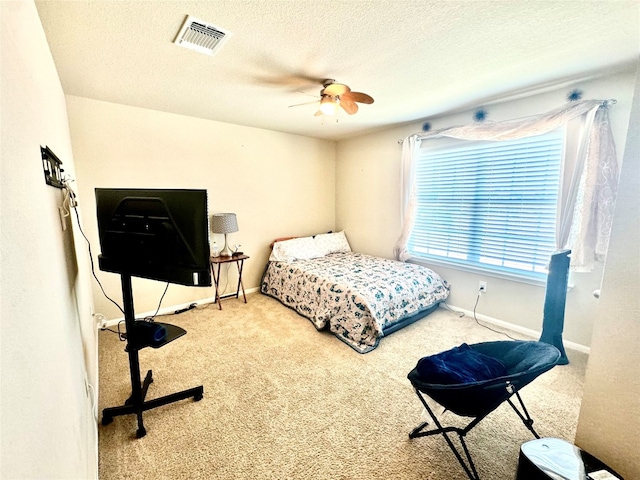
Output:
(226, 251)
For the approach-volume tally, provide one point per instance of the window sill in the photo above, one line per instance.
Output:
(480, 271)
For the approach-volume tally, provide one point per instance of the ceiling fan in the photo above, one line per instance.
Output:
(334, 95)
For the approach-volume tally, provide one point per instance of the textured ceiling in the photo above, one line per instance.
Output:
(417, 59)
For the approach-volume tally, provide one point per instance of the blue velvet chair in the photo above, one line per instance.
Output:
(474, 380)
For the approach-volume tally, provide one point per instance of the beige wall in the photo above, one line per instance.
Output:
(609, 421)
(368, 206)
(48, 335)
(277, 184)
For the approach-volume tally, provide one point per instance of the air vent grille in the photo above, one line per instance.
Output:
(201, 36)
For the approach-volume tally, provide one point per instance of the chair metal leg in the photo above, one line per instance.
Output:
(524, 415)
(468, 466)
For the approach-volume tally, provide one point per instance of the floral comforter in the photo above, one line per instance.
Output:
(355, 296)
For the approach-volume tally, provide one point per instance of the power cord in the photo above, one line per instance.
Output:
(94, 400)
(485, 326)
(152, 317)
(69, 202)
(457, 312)
(70, 197)
(226, 281)
(122, 336)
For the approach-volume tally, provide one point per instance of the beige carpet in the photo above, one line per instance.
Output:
(283, 401)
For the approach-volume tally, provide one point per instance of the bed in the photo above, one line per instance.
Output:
(359, 298)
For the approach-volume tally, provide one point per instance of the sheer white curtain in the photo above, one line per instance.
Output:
(407, 190)
(588, 183)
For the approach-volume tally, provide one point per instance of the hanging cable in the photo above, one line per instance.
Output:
(70, 202)
(152, 317)
(485, 326)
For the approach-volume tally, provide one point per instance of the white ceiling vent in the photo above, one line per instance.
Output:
(201, 36)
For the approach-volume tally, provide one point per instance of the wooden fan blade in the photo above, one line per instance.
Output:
(357, 97)
(335, 89)
(281, 76)
(349, 106)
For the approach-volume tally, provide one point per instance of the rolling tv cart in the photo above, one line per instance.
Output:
(137, 340)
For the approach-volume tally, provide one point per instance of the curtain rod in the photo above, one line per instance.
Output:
(606, 103)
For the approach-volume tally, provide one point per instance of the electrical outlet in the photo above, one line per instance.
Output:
(102, 321)
(482, 286)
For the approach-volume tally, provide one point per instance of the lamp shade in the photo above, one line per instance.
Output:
(224, 223)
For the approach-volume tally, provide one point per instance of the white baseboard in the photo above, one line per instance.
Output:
(534, 334)
(168, 310)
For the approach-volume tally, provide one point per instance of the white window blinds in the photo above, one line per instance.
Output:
(488, 205)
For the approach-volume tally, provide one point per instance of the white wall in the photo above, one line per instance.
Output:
(609, 421)
(48, 335)
(277, 184)
(368, 206)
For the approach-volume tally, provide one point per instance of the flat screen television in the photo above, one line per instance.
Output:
(159, 234)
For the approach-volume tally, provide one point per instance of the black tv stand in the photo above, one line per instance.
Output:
(137, 403)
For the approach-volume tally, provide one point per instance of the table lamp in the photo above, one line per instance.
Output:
(224, 223)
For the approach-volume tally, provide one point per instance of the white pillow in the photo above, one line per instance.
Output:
(332, 242)
(296, 249)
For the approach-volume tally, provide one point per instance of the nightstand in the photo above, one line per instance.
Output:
(239, 261)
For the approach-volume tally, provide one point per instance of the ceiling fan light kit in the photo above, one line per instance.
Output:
(329, 105)
(334, 95)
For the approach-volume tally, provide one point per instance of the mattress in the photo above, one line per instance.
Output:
(357, 297)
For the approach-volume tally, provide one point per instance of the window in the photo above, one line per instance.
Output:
(488, 206)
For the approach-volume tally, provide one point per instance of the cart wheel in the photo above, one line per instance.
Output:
(197, 398)
(141, 432)
(106, 419)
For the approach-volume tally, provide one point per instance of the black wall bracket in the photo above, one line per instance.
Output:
(51, 166)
